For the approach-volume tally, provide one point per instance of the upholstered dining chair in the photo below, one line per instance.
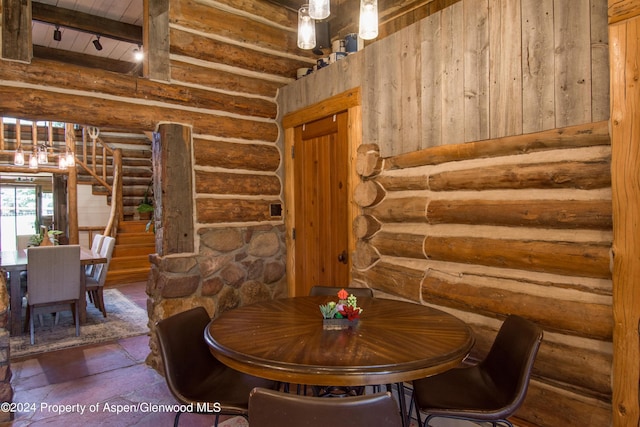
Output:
(95, 282)
(96, 244)
(490, 391)
(193, 375)
(53, 279)
(270, 408)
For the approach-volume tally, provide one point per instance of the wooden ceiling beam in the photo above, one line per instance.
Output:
(86, 23)
(83, 60)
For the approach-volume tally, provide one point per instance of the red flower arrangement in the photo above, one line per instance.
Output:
(345, 308)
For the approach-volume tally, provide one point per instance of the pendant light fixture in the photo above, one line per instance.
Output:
(368, 19)
(18, 157)
(319, 9)
(306, 29)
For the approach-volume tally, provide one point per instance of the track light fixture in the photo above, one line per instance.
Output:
(57, 34)
(138, 54)
(97, 44)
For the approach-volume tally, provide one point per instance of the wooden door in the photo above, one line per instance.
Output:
(321, 170)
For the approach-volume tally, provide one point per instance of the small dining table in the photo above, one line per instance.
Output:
(392, 342)
(16, 261)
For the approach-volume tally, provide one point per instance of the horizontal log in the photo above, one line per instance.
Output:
(565, 214)
(218, 79)
(365, 226)
(587, 369)
(546, 405)
(551, 313)
(212, 50)
(572, 259)
(134, 116)
(404, 209)
(399, 244)
(585, 135)
(60, 75)
(368, 160)
(237, 184)
(368, 193)
(394, 279)
(238, 27)
(229, 155)
(582, 175)
(365, 255)
(211, 211)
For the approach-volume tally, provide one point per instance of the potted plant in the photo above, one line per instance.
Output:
(145, 208)
(40, 239)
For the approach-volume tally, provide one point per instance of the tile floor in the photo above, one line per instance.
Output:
(113, 373)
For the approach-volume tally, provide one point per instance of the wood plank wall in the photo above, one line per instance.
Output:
(517, 222)
(476, 70)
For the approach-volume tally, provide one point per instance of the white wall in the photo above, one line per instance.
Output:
(92, 211)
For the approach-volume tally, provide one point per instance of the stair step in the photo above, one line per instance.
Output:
(131, 238)
(129, 262)
(132, 227)
(127, 276)
(134, 249)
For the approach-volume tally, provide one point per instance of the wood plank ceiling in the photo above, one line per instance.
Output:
(118, 23)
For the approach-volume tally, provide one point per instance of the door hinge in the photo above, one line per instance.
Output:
(293, 152)
(293, 234)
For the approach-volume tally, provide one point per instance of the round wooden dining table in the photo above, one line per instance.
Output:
(284, 340)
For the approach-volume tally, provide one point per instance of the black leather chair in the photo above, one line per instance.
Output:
(269, 408)
(329, 290)
(194, 375)
(490, 391)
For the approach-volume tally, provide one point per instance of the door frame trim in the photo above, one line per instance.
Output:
(349, 101)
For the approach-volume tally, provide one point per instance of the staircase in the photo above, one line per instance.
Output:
(130, 259)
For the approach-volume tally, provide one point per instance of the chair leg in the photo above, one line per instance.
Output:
(76, 317)
(101, 301)
(31, 327)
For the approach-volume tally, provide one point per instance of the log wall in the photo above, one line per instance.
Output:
(520, 231)
(486, 181)
(215, 67)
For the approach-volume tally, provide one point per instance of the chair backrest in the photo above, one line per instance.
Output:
(185, 354)
(270, 408)
(106, 250)
(510, 361)
(330, 290)
(53, 273)
(96, 244)
(22, 241)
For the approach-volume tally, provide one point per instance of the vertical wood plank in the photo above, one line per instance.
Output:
(453, 119)
(538, 108)
(431, 63)
(599, 61)
(505, 68)
(156, 39)
(624, 39)
(476, 69)
(16, 30)
(174, 211)
(410, 89)
(573, 62)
